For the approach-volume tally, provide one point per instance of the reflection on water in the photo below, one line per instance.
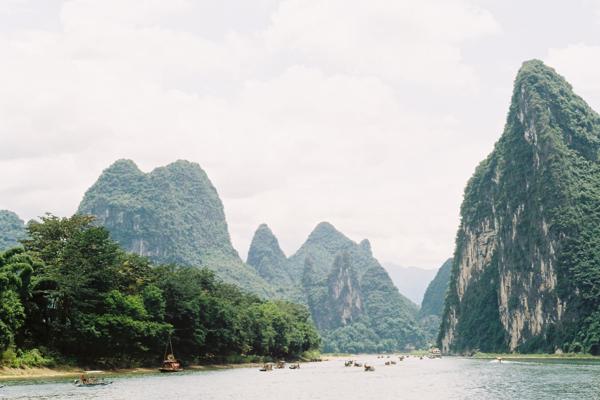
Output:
(448, 378)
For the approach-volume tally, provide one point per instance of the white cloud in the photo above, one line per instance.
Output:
(579, 64)
(306, 116)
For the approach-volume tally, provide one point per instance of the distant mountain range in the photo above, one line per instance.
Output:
(352, 299)
(173, 214)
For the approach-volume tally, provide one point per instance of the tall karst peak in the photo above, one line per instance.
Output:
(171, 215)
(324, 230)
(265, 255)
(520, 279)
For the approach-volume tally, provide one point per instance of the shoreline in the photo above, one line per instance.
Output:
(23, 374)
(535, 357)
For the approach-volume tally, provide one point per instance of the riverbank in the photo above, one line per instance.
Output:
(525, 357)
(33, 373)
(11, 374)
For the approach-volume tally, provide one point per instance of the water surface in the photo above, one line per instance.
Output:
(448, 378)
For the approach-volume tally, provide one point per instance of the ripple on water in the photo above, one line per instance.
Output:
(448, 378)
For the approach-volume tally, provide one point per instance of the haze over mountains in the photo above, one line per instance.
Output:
(525, 275)
(410, 281)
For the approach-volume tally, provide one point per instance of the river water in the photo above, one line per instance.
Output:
(448, 378)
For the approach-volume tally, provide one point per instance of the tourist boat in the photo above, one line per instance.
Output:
(435, 353)
(89, 378)
(266, 367)
(170, 363)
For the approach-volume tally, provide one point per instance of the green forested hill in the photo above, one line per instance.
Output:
(526, 269)
(12, 228)
(171, 215)
(352, 299)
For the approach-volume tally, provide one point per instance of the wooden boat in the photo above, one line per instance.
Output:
(267, 367)
(90, 378)
(170, 363)
(435, 353)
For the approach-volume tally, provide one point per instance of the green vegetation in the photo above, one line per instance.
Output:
(71, 294)
(170, 215)
(12, 229)
(534, 204)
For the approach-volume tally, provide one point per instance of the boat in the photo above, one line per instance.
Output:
(266, 367)
(295, 366)
(280, 365)
(348, 363)
(170, 363)
(369, 368)
(435, 353)
(90, 378)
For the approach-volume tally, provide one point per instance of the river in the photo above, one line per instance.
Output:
(448, 378)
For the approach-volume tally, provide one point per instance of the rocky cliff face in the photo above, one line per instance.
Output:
(12, 229)
(525, 266)
(171, 215)
(352, 299)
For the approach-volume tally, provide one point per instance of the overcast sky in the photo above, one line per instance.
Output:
(369, 114)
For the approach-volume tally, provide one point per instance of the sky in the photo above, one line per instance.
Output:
(371, 115)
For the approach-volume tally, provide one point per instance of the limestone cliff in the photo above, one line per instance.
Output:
(526, 268)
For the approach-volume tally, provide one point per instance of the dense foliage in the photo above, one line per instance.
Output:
(12, 229)
(71, 291)
(352, 299)
(536, 202)
(171, 215)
